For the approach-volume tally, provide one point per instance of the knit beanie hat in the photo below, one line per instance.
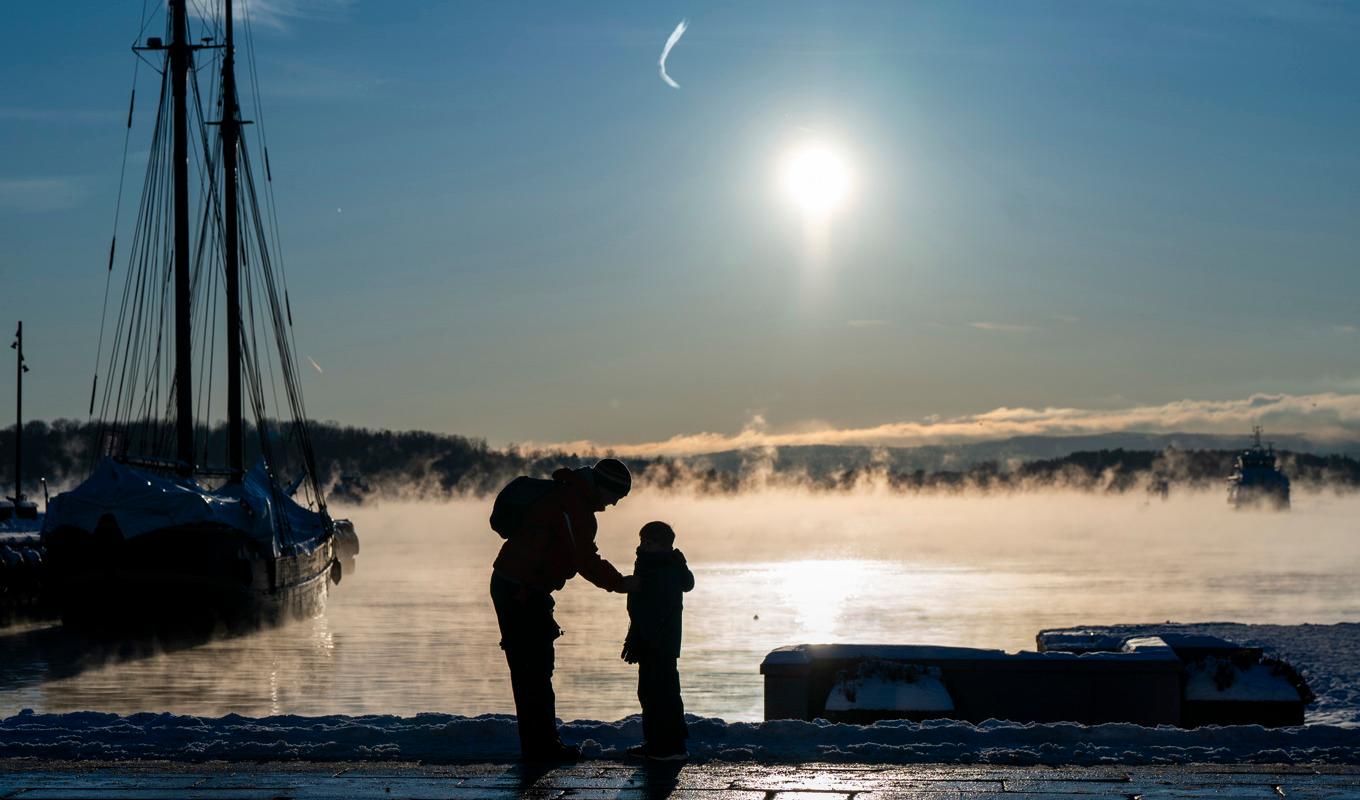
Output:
(612, 476)
(658, 532)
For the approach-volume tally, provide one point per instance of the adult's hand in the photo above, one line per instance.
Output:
(630, 583)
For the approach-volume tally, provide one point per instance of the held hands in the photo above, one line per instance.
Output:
(630, 584)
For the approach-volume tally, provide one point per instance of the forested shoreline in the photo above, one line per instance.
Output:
(361, 463)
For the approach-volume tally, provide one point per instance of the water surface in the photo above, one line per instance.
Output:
(413, 629)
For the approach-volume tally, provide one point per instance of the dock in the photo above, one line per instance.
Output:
(714, 780)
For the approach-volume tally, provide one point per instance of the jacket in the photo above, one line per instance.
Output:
(656, 606)
(557, 540)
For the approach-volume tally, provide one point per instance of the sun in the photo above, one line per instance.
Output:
(817, 178)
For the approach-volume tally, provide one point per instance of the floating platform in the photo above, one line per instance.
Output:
(1181, 680)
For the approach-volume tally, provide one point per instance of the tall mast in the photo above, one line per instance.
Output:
(231, 136)
(179, 73)
(19, 369)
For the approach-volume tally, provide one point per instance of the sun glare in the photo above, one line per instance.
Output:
(817, 179)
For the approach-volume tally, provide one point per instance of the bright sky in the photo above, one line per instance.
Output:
(499, 220)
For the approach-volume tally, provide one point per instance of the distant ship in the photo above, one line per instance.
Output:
(1256, 481)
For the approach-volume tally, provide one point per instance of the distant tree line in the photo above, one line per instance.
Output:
(357, 463)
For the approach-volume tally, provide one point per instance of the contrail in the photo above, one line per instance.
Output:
(314, 364)
(666, 51)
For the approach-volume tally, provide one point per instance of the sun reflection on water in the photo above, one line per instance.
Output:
(818, 593)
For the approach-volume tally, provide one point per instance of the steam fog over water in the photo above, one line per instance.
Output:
(413, 629)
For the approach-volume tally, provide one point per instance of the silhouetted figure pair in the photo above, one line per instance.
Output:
(550, 528)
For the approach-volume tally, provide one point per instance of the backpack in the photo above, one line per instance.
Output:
(515, 501)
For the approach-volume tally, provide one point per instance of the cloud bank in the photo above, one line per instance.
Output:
(1326, 416)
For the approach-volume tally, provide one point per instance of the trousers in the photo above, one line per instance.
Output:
(528, 629)
(663, 712)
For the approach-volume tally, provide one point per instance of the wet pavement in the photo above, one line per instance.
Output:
(31, 779)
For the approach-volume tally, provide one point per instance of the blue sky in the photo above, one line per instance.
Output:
(499, 221)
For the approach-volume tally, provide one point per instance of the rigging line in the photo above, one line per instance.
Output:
(146, 20)
(155, 322)
(207, 188)
(211, 230)
(135, 278)
(136, 268)
(204, 281)
(250, 357)
(262, 136)
(277, 240)
(207, 353)
(156, 271)
(210, 347)
(149, 219)
(288, 369)
(113, 243)
(164, 69)
(259, 328)
(207, 279)
(284, 334)
(263, 276)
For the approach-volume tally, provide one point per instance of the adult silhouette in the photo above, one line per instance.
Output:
(553, 539)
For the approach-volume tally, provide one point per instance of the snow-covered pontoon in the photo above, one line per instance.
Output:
(1075, 676)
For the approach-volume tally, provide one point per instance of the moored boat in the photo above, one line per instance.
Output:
(1256, 481)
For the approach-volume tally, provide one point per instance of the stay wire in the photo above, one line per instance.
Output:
(113, 242)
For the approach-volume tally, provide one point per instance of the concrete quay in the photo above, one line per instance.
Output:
(48, 780)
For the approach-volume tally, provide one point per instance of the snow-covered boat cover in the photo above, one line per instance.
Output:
(141, 502)
(21, 527)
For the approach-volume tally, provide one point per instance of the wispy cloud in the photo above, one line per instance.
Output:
(1002, 327)
(43, 194)
(60, 116)
(1329, 415)
(300, 80)
(276, 14)
(666, 51)
(868, 323)
(1345, 329)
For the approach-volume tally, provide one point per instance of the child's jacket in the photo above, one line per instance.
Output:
(655, 607)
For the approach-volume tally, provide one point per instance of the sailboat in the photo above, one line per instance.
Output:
(158, 534)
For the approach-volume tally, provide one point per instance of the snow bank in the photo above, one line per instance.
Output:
(445, 738)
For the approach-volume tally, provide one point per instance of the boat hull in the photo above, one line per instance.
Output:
(1273, 497)
(190, 579)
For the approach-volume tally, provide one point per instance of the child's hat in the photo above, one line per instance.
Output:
(658, 532)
